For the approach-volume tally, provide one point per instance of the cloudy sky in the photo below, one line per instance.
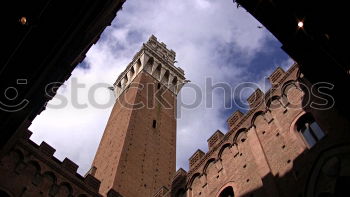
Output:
(213, 40)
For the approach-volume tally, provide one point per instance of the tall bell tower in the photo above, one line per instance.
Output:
(137, 152)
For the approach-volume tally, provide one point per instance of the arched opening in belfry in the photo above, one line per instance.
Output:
(174, 84)
(149, 64)
(132, 72)
(156, 73)
(227, 192)
(137, 66)
(165, 78)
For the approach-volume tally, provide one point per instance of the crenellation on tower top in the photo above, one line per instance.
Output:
(137, 144)
(158, 61)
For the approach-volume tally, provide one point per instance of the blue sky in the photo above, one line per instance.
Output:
(212, 39)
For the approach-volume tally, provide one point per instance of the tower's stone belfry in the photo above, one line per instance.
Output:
(137, 152)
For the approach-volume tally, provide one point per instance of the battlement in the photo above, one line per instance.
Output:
(160, 49)
(158, 61)
(67, 167)
(276, 76)
(196, 157)
(214, 139)
(179, 173)
(255, 99)
(256, 102)
(234, 119)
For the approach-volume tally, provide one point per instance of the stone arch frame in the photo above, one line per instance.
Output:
(238, 133)
(228, 184)
(256, 114)
(222, 148)
(36, 165)
(293, 130)
(286, 84)
(166, 76)
(157, 71)
(207, 164)
(273, 98)
(50, 174)
(132, 72)
(68, 185)
(306, 116)
(173, 84)
(149, 64)
(316, 169)
(285, 87)
(137, 66)
(19, 152)
(193, 177)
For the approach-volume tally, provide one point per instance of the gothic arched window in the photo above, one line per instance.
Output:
(308, 127)
(227, 192)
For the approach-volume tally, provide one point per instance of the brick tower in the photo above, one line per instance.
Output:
(136, 155)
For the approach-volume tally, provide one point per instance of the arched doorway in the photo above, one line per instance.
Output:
(227, 192)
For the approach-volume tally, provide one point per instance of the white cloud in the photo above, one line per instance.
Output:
(199, 31)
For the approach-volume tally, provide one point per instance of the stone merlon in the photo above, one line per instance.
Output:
(155, 59)
(276, 76)
(233, 120)
(196, 157)
(255, 99)
(214, 139)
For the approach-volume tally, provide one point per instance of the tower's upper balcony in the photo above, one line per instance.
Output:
(158, 61)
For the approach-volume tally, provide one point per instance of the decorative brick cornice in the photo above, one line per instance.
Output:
(161, 67)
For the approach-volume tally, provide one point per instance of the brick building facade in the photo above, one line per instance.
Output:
(287, 144)
(290, 143)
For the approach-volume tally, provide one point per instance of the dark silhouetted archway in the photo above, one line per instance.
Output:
(227, 192)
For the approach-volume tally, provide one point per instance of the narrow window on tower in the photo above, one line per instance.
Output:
(158, 86)
(154, 124)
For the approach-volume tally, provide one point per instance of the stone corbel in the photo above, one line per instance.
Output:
(123, 82)
(171, 78)
(129, 75)
(143, 59)
(154, 66)
(162, 72)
